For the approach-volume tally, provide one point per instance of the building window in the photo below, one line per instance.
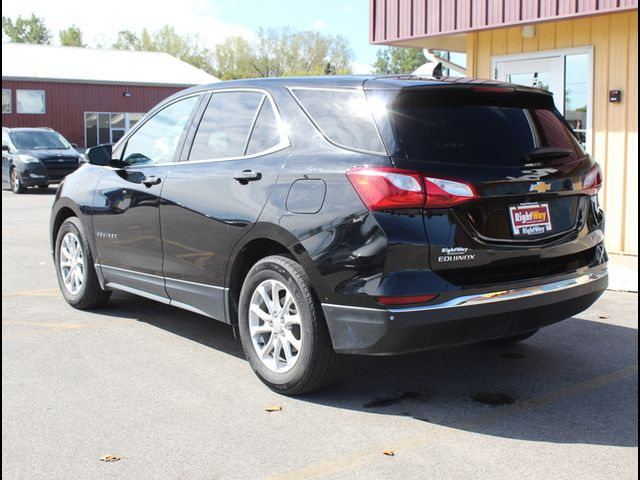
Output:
(107, 127)
(568, 74)
(31, 101)
(576, 93)
(6, 100)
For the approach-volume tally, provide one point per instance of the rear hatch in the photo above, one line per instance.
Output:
(514, 154)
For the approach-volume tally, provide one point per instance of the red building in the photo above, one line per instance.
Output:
(89, 96)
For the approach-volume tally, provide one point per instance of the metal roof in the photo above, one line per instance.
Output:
(444, 22)
(87, 65)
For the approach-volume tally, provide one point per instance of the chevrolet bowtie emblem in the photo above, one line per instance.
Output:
(540, 187)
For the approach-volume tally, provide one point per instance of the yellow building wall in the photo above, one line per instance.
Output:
(614, 39)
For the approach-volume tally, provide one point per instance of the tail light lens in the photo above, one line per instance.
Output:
(446, 193)
(592, 180)
(385, 188)
(382, 188)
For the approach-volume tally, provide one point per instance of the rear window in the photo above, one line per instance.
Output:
(343, 117)
(487, 129)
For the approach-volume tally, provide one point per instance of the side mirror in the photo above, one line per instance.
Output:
(100, 155)
(6, 148)
(74, 145)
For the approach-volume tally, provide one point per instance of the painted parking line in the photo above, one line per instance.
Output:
(357, 458)
(43, 327)
(58, 325)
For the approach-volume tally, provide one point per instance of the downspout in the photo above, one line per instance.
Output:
(432, 57)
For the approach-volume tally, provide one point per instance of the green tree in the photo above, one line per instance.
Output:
(71, 37)
(127, 40)
(234, 59)
(398, 60)
(283, 52)
(26, 30)
(272, 53)
(184, 47)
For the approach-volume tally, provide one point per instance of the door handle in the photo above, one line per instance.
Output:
(247, 176)
(151, 181)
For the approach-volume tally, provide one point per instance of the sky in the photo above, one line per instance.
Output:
(213, 20)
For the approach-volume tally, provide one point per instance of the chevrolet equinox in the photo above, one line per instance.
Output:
(334, 215)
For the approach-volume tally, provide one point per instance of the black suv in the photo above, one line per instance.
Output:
(36, 157)
(361, 215)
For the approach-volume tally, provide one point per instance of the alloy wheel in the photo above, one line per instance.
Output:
(274, 326)
(72, 263)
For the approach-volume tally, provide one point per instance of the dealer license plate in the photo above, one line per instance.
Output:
(530, 219)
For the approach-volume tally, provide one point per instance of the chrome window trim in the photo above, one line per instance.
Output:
(282, 145)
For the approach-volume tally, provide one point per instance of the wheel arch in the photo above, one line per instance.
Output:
(60, 214)
(262, 241)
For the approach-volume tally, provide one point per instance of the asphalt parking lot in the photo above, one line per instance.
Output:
(169, 393)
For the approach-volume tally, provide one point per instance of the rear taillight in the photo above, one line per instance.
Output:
(446, 193)
(385, 188)
(592, 180)
(382, 188)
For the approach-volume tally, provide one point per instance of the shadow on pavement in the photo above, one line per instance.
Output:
(457, 386)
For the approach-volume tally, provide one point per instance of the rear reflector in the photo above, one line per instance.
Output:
(405, 300)
(592, 180)
(383, 188)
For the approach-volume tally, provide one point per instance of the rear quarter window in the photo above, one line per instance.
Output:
(342, 116)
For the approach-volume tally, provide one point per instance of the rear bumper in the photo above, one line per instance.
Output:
(463, 319)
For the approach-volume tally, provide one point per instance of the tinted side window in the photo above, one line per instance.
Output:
(225, 126)
(344, 117)
(156, 141)
(266, 132)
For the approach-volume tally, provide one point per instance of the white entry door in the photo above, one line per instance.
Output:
(544, 73)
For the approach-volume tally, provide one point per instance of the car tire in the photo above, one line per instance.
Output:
(511, 340)
(75, 269)
(309, 362)
(15, 181)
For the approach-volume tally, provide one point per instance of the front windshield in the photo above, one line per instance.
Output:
(39, 140)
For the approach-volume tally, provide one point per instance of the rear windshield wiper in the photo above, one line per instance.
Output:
(541, 154)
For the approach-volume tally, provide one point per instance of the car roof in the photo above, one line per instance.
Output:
(369, 82)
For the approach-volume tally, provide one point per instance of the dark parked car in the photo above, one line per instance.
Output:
(36, 157)
(322, 216)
